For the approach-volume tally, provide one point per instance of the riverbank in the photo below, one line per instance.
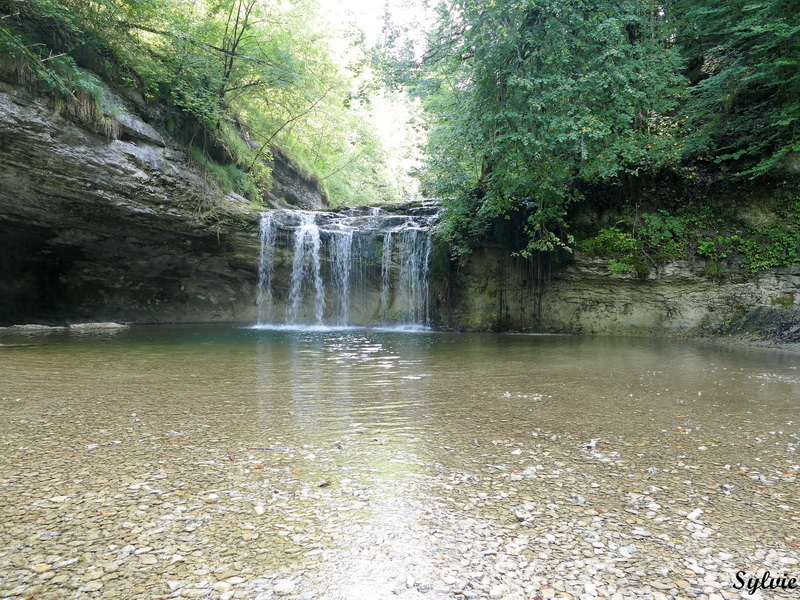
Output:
(188, 514)
(130, 236)
(490, 290)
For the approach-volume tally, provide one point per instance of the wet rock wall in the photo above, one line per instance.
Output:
(108, 229)
(94, 229)
(491, 290)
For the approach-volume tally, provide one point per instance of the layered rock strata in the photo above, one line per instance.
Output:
(98, 229)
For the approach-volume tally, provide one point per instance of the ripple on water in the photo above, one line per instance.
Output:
(361, 464)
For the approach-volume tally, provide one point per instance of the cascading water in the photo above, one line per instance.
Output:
(386, 273)
(356, 268)
(266, 232)
(306, 266)
(341, 263)
(411, 252)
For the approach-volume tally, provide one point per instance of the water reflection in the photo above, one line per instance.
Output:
(354, 445)
(358, 398)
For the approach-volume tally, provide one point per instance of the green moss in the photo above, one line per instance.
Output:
(750, 238)
(715, 270)
(228, 178)
(785, 300)
(440, 262)
(238, 221)
(76, 92)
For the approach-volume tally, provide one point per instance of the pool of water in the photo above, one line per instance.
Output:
(360, 463)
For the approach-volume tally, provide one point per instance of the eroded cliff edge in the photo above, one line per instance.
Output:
(100, 229)
(495, 291)
(95, 229)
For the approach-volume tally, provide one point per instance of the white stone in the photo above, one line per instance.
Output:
(695, 514)
(283, 587)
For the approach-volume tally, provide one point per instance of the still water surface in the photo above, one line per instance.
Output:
(345, 460)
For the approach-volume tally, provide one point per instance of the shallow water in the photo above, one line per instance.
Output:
(367, 464)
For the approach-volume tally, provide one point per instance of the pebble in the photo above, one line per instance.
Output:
(695, 514)
(235, 515)
(40, 568)
(283, 587)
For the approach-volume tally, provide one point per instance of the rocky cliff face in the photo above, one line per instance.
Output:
(293, 187)
(493, 291)
(94, 229)
(98, 229)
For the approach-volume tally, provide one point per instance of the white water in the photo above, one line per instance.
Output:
(386, 273)
(266, 232)
(415, 249)
(356, 269)
(306, 266)
(341, 258)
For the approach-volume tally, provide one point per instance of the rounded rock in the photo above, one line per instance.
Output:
(283, 587)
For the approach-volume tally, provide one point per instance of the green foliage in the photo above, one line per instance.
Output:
(531, 97)
(228, 178)
(772, 243)
(611, 242)
(532, 102)
(717, 248)
(715, 270)
(625, 252)
(773, 248)
(663, 235)
(246, 75)
(464, 225)
(744, 56)
(725, 242)
(76, 92)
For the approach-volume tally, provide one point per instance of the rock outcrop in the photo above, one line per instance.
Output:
(293, 187)
(96, 229)
(494, 291)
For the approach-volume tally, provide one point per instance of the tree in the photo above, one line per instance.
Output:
(744, 58)
(247, 75)
(533, 96)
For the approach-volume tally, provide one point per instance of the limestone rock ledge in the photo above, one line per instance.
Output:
(493, 291)
(97, 230)
(104, 230)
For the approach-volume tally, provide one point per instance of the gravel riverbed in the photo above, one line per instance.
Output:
(115, 489)
(190, 515)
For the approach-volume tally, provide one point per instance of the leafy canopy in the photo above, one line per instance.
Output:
(264, 69)
(531, 96)
(744, 65)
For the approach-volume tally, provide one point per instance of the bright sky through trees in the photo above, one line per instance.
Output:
(396, 118)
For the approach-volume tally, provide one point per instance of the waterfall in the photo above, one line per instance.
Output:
(386, 273)
(359, 267)
(266, 232)
(341, 259)
(306, 265)
(415, 247)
